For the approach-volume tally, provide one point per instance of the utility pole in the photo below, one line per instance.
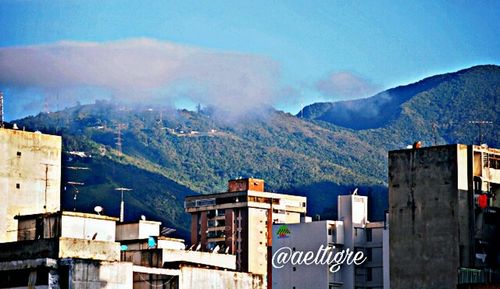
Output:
(122, 203)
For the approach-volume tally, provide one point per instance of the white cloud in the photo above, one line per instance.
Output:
(345, 85)
(143, 70)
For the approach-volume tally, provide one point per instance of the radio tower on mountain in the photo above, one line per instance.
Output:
(119, 140)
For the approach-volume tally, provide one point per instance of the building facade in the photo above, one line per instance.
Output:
(30, 177)
(444, 217)
(352, 231)
(78, 250)
(46, 248)
(240, 220)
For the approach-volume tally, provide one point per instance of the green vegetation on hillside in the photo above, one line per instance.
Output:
(168, 154)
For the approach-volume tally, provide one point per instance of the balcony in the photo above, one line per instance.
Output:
(474, 276)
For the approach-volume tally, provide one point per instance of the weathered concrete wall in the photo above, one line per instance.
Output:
(60, 248)
(205, 258)
(424, 205)
(88, 249)
(47, 248)
(100, 275)
(30, 177)
(140, 230)
(81, 227)
(257, 241)
(301, 239)
(158, 257)
(66, 224)
(153, 281)
(215, 279)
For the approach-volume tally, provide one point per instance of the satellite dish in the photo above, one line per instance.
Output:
(143, 217)
(216, 249)
(98, 209)
(198, 247)
(227, 250)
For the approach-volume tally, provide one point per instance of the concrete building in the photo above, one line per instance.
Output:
(352, 230)
(64, 250)
(444, 217)
(240, 220)
(46, 248)
(78, 250)
(161, 262)
(30, 177)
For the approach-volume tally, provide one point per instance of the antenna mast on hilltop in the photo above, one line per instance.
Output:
(119, 139)
(1, 109)
(435, 132)
(480, 124)
(46, 104)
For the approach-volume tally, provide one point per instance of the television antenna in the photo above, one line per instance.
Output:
(122, 203)
(75, 191)
(46, 179)
(165, 231)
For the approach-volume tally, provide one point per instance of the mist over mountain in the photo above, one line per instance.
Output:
(436, 99)
(327, 150)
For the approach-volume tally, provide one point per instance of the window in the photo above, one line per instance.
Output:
(369, 276)
(294, 269)
(18, 154)
(368, 235)
(18, 186)
(368, 254)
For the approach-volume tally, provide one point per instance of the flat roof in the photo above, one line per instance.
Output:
(426, 148)
(67, 213)
(245, 193)
(475, 147)
(139, 222)
(25, 132)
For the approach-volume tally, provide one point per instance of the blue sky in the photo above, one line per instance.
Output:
(310, 50)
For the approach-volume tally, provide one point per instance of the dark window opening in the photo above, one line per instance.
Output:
(368, 254)
(368, 235)
(369, 276)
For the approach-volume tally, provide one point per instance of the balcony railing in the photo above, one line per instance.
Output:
(472, 276)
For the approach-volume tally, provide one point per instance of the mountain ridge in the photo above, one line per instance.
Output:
(168, 154)
(340, 112)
